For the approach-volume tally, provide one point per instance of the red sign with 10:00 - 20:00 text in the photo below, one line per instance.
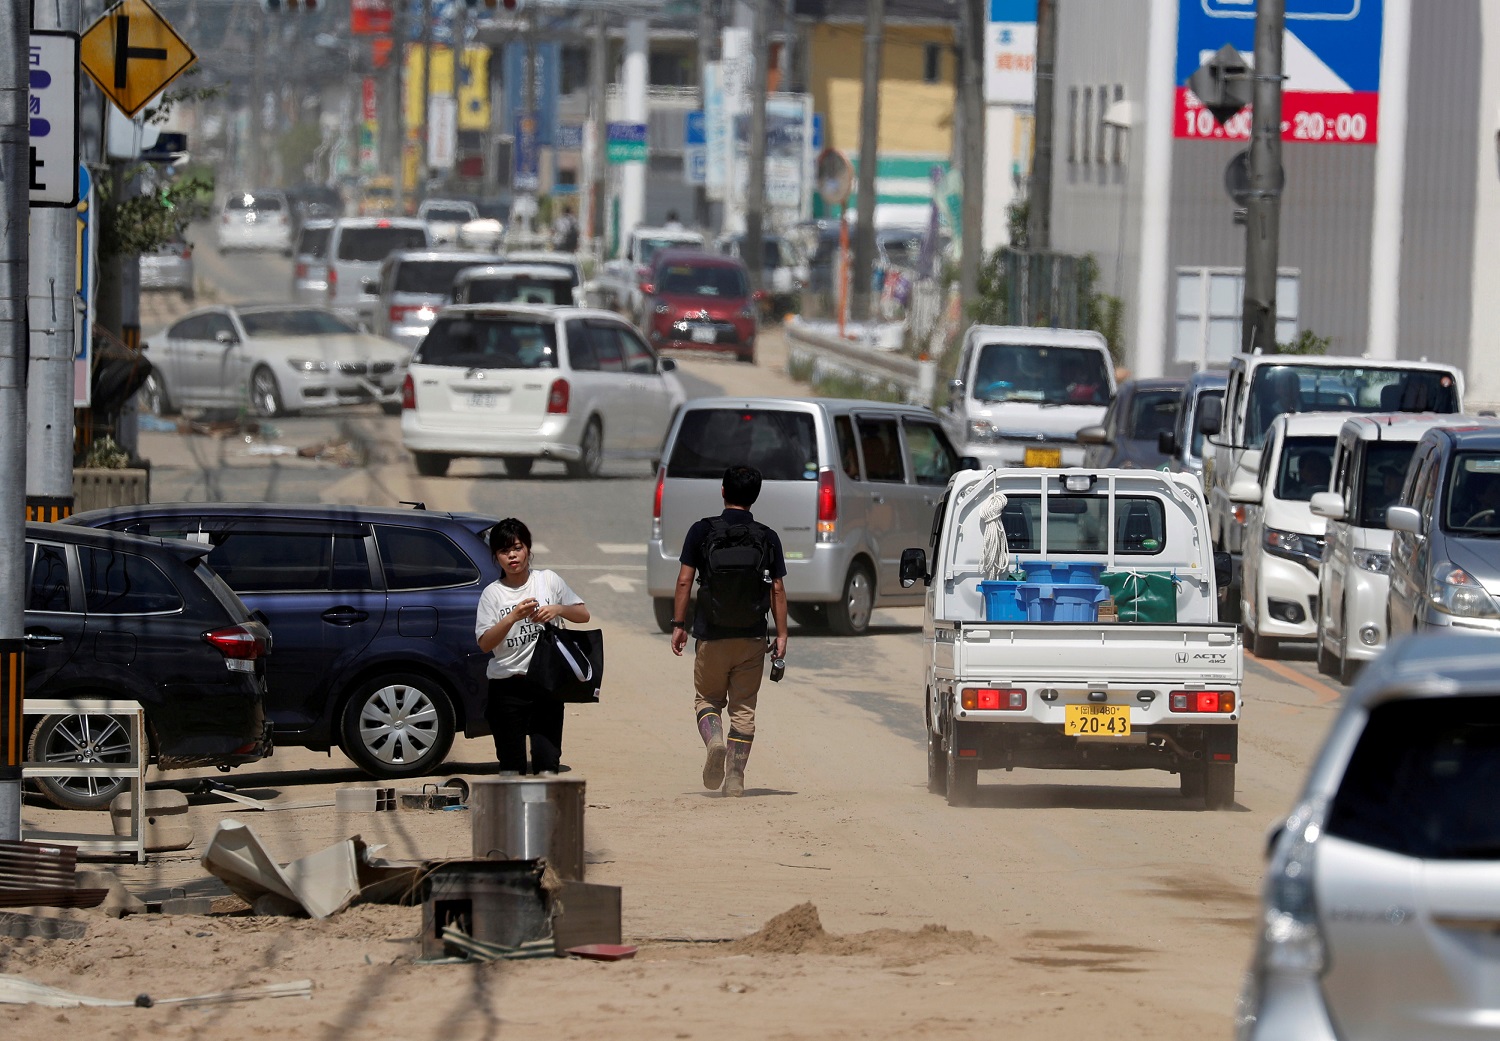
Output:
(1312, 117)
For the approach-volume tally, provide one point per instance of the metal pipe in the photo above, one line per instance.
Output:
(869, 158)
(1263, 213)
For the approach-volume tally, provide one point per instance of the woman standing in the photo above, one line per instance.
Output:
(512, 612)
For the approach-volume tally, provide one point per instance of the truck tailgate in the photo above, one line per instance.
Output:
(1061, 654)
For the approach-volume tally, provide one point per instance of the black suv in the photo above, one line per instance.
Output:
(114, 616)
(372, 610)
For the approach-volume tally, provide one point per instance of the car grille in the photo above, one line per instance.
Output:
(361, 368)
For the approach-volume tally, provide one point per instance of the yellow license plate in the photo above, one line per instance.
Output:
(1097, 721)
(1049, 457)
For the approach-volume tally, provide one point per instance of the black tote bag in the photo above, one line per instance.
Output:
(569, 663)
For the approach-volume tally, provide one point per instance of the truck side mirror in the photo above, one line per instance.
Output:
(969, 462)
(1166, 442)
(1210, 416)
(914, 567)
(1223, 569)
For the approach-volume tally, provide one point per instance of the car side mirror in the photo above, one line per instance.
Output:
(1166, 442)
(1404, 518)
(665, 365)
(1223, 569)
(969, 462)
(1244, 491)
(370, 285)
(914, 568)
(1094, 436)
(648, 288)
(1210, 416)
(227, 338)
(1327, 504)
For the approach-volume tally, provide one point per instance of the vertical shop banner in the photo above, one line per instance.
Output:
(527, 177)
(1010, 52)
(715, 133)
(789, 154)
(442, 131)
(87, 268)
(1330, 57)
(547, 81)
(472, 90)
(370, 17)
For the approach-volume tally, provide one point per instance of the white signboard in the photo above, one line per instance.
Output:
(1010, 53)
(716, 133)
(52, 107)
(442, 131)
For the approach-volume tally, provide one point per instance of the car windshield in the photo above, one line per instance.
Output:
(300, 322)
(1080, 524)
(714, 280)
(313, 242)
(1473, 495)
(1421, 781)
(1279, 389)
(1046, 375)
(490, 343)
(1151, 412)
(372, 245)
(455, 214)
(432, 277)
(1380, 482)
(1198, 435)
(780, 444)
(525, 290)
(651, 247)
(1306, 468)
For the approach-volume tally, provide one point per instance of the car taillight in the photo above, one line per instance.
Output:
(224, 219)
(399, 313)
(408, 393)
(187, 253)
(240, 645)
(333, 279)
(828, 505)
(993, 699)
(1215, 701)
(661, 483)
(300, 271)
(557, 398)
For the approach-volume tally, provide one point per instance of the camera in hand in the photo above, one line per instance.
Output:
(778, 669)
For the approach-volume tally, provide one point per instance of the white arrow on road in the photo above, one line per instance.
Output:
(618, 583)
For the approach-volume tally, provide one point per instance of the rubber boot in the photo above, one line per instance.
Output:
(734, 774)
(711, 729)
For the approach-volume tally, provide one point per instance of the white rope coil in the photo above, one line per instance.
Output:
(995, 559)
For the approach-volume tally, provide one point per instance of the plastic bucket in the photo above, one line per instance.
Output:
(1002, 602)
(1063, 574)
(1062, 603)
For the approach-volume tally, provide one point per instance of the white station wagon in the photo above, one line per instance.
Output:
(523, 382)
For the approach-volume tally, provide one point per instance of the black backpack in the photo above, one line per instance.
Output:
(735, 584)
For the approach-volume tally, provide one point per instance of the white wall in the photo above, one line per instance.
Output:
(1482, 374)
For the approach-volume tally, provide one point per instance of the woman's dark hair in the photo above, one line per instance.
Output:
(741, 485)
(507, 533)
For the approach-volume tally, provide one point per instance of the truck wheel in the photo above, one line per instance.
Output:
(1190, 782)
(1218, 786)
(850, 615)
(962, 777)
(937, 765)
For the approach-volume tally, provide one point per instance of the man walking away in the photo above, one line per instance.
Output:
(740, 568)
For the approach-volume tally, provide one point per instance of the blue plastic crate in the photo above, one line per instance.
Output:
(1046, 602)
(1062, 573)
(1002, 602)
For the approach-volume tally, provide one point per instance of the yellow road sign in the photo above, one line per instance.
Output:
(131, 52)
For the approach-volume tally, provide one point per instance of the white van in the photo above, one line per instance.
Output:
(1021, 394)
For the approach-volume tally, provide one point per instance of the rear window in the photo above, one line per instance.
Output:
(313, 242)
(706, 280)
(124, 583)
(490, 343)
(420, 558)
(269, 203)
(1422, 780)
(782, 445)
(434, 277)
(1306, 467)
(1080, 524)
(1151, 412)
(227, 598)
(451, 214)
(519, 290)
(372, 245)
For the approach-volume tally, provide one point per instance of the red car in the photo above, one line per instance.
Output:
(701, 301)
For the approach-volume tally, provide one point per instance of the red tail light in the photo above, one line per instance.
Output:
(993, 699)
(1217, 701)
(333, 279)
(237, 642)
(399, 313)
(187, 253)
(828, 503)
(300, 271)
(661, 483)
(649, 288)
(557, 398)
(408, 393)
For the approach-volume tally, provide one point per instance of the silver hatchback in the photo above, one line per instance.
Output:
(847, 485)
(1382, 896)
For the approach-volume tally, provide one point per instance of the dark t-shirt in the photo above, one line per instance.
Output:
(692, 556)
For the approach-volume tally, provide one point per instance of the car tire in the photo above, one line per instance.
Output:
(81, 739)
(431, 464)
(1218, 786)
(397, 725)
(265, 394)
(662, 607)
(809, 616)
(937, 765)
(850, 615)
(189, 295)
(591, 448)
(961, 776)
(154, 399)
(745, 359)
(1190, 782)
(1348, 669)
(1328, 664)
(518, 468)
(1264, 647)
(391, 408)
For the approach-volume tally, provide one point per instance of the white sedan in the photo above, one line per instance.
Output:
(276, 359)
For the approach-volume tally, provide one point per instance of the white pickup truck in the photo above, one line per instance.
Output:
(1096, 695)
(618, 285)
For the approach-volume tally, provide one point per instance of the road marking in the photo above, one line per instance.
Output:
(621, 547)
(619, 583)
(1324, 692)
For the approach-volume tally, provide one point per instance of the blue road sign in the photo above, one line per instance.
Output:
(695, 130)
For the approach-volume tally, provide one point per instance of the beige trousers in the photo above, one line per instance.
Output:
(726, 675)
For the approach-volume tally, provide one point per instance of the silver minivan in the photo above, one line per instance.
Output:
(356, 249)
(415, 284)
(310, 263)
(846, 484)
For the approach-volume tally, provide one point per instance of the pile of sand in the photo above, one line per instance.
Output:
(800, 931)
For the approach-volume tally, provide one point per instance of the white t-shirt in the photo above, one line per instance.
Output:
(512, 657)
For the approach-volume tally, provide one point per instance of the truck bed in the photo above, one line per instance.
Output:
(1064, 654)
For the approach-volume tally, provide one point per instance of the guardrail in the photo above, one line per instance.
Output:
(134, 844)
(829, 355)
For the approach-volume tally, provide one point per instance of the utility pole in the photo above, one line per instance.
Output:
(528, 109)
(15, 170)
(708, 32)
(53, 258)
(753, 251)
(599, 105)
(424, 141)
(1039, 205)
(869, 158)
(1263, 213)
(971, 107)
(257, 100)
(399, 33)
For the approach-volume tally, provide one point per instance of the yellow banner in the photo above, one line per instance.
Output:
(473, 88)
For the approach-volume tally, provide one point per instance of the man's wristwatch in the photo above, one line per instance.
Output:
(678, 623)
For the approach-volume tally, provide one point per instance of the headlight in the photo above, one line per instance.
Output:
(307, 365)
(1373, 560)
(748, 312)
(981, 430)
(1454, 591)
(1293, 545)
(663, 308)
(1291, 940)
